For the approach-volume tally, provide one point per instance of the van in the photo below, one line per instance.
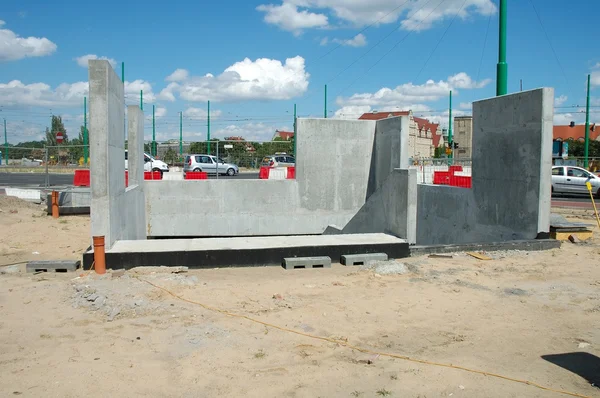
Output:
(151, 164)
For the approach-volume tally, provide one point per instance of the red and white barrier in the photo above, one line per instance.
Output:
(279, 173)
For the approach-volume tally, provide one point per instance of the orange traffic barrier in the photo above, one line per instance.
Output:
(99, 255)
(54, 204)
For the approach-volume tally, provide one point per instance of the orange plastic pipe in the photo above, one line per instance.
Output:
(54, 204)
(99, 255)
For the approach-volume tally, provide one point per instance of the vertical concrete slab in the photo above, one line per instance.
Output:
(510, 198)
(512, 164)
(135, 144)
(333, 159)
(107, 149)
(391, 209)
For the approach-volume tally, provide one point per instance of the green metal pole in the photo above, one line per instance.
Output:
(450, 140)
(5, 144)
(502, 68)
(208, 127)
(153, 133)
(85, 133)
(325, 112)
(142, 99)
(295, 131)
(180, 133)
(123, 72)
(587, 124)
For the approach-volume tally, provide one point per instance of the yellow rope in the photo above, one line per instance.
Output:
(363, 350)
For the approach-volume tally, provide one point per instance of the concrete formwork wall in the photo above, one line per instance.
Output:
(116, 213)
(510, 198)
(333, 171)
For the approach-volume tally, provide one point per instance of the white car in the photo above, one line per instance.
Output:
(151, 164)
(572, 180)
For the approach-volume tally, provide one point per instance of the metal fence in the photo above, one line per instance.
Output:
(426, 167)
(245, 154)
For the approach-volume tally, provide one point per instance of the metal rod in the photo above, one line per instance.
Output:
(587, 125)
(208, 127)
(85, 133)
(502, 68)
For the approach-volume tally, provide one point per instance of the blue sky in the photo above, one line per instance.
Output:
(255, 59)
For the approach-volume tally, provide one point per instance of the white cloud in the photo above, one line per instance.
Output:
(168, 93)
(414, 15)
(558, 101)
(83, 60)
(287, 17)
(178, 75)
(263, 79)
(324, 41)
(409, 94)
(466, 105)
(595, 78)
(357, 41)
(15, 93)
(351, 111)
(201, 114)
(159, 113)
(13, 47)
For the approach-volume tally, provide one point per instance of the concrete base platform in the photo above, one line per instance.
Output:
(72, 201)
(525, 245)
(245, 251)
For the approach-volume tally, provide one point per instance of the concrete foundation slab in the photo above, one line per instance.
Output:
(245, 251)
(74, 201)
(53, 266)
(363, 258)
(525, 245)
(306, 262)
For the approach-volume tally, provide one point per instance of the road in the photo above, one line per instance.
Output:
(578, 201)
(39, 179)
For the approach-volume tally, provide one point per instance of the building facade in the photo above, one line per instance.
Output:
(463, 135)
(424, 135)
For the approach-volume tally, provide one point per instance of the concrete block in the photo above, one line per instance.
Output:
(30, 195)
(362, 259)
(306, 262)
(53, 266)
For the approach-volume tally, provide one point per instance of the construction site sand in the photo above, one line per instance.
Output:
(68, 335)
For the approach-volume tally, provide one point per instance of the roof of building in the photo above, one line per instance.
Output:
(285, 135)
(576, 132)
(382, 115)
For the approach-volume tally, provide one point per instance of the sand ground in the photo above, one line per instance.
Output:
(79, 334)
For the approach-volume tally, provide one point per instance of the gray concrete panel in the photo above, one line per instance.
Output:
(510, 198)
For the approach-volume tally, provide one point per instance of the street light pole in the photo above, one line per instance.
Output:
(587, 124)
(502, 68)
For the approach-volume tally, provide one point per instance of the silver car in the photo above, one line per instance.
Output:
(280, 159)
(572, 180)
(209, 164)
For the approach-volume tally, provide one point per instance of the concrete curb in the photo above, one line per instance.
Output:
(525, 245)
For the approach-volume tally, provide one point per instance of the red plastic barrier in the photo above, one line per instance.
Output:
(81, 178)
(291, 173)
(196, 175)
(152, 175)
(263, 173)
(461, 182)
(455, 168)
(126, 178)
(441, 177)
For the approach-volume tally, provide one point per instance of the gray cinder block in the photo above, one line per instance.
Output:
(307, 262)
(53, 266)
(361, 259)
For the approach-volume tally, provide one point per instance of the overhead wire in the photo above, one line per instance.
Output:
(440, 40)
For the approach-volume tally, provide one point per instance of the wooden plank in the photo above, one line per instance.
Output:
(479, 256)
(564, 236)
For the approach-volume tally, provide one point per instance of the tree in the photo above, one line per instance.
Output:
(170, 156)
(57, 125)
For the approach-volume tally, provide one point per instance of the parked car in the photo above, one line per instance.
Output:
(280, 159)
(572, 180)
(209, 164)
(150, 164)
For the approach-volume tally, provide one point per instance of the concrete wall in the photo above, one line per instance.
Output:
(510, 198)
(334, 178)
(391, 209)
(116, 213)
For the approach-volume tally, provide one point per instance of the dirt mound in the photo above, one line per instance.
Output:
(8, 203)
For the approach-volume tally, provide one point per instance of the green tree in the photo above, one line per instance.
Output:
(57, 125)
(170, 156)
